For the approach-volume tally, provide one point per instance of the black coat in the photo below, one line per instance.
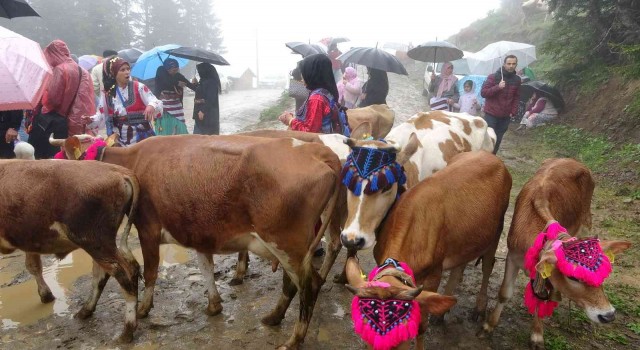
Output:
(208, 90)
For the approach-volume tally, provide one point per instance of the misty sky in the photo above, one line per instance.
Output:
(364, 22)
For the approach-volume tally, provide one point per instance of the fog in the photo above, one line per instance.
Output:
(250, 26)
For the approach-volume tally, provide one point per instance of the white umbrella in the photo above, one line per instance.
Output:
(491, 57)
(23, 71)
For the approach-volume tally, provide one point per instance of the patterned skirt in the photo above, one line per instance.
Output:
(172, 120)
(132, 129)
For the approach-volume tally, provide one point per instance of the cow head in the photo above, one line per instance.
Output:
(392, 289)
(375, 177)
(76, 147)
(576, 268)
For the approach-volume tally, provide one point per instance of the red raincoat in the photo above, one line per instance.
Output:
(60, 94)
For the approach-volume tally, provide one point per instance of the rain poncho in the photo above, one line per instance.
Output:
(60, 94)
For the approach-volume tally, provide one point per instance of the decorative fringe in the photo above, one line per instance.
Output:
(403, 330)
(92, 152)
(581, 272)
(536, 306)
(568, 267)
(377, 180)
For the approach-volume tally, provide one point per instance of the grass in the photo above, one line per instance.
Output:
(271, 113)
(554, 341)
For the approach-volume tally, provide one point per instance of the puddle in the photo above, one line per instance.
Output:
(20, 304)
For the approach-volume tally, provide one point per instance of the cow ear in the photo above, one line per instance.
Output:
(355, 277)
(362, 131)
(70, 146)
(547, 263)
(614, 247)
(434, 303)
(409, 149)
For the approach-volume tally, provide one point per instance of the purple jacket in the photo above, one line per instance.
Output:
(501, 102)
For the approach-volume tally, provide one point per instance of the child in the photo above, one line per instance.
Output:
(468, 102)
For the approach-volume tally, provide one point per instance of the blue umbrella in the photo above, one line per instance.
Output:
(148, 63)
(477, 80)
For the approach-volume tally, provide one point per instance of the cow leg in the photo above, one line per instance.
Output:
(127, 275)
(310, 287)
(537, 338)
(34, 266)
(333, 248)
(455, 277)
(488, 260)
(205, 262)
(506, 292)
(150, 244)
(289, 291)
(241, 268)
(100, 278)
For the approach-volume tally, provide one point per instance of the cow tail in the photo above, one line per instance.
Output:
(541, 205)
(135, 193)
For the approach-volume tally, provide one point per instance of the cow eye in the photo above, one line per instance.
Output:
(574, 279)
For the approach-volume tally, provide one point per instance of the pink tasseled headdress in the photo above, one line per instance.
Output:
(582, 259)
(90, 154)
(385, 323)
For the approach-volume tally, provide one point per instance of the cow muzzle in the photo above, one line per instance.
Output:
(356, 241)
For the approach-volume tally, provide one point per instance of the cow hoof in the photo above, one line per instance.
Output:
(142, 313)
(271, 320)
(47, 298)
(213, 310)
(83, 314)
(536, 345)
(236, 281)
(477, 316)
(484, 334)
(126, 337)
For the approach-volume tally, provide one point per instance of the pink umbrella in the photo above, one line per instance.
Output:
(23, 71)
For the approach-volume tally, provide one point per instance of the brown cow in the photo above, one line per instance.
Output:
(561, 191)
(399, 288)
(448, 220)
(224, 194)
(55, 207)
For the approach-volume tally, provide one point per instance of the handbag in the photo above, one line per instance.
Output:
(439, 104)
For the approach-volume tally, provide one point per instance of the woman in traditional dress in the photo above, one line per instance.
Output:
(130, 104)
(169, 88)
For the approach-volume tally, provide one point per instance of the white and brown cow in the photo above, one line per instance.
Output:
(447, 221)
(53, 207)
(224, 194)
(560, 191)
(427, 142)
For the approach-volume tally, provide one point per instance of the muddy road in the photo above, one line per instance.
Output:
(178, 321)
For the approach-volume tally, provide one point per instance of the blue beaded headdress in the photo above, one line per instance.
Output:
(376, 165)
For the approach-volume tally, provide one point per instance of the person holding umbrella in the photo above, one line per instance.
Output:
(540, 111)
(206, 111)
(501, 93)
(375, 90)
(444, 88)
(169, 88)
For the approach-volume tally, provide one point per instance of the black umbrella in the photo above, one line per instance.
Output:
(198, 55)
(374, 58)
(16, 8)
(130, 55)
(435, 51)
(305, 49)
(546, 90)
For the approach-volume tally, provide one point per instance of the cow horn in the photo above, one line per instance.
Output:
(352, 289)
(84, 137)
(56, 142)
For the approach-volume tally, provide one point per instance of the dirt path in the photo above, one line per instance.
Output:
(178, 320)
